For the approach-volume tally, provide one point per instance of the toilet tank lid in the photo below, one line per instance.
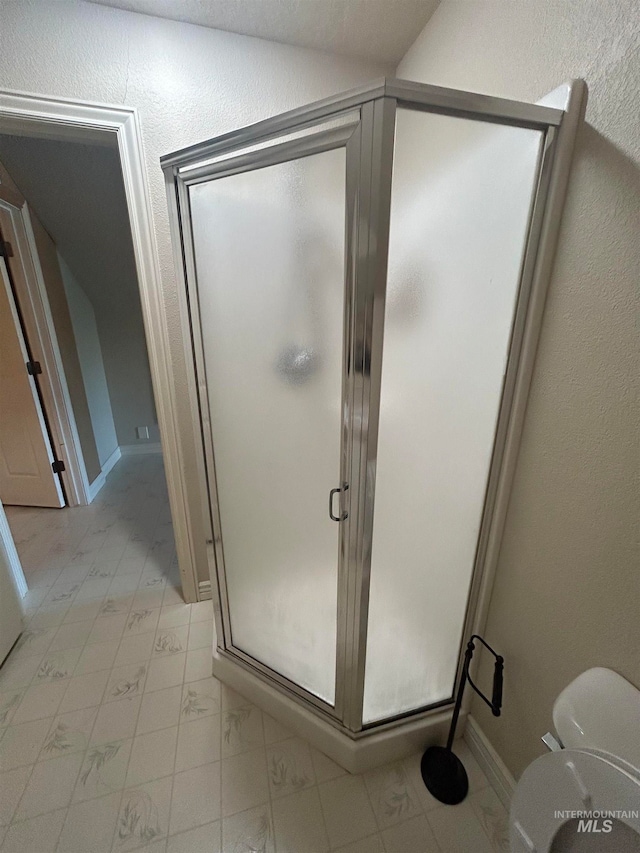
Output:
(600, 710)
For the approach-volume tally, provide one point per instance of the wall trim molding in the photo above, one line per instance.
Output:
(56, 118)
(95, 487)
(137, 449)
(111, 461)
(490, 762)
(101, 479)
(7, 546)
(204, 590)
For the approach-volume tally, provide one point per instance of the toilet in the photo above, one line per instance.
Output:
(584, 796)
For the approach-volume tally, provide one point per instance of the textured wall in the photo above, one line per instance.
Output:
(567, 590)
(189, 84)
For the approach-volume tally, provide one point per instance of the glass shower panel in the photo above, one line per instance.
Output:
(461, 198)
(269, 250)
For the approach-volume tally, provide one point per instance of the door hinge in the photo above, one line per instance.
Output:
(5, 249)
(58, 466)
(33, 368)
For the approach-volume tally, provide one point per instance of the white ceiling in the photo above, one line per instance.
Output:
(379, 30)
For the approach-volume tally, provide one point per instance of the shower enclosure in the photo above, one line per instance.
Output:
(363, 283)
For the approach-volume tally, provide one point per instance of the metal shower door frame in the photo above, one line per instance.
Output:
(368, 200)
(347, 136)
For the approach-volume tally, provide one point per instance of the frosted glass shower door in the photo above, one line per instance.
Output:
(461, 200)
(269, 248)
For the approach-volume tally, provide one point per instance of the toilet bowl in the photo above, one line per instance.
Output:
(585, 796)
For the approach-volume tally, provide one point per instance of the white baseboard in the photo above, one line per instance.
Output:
(95, 487)
(101, 479)
(131, 449)
(8, 550)
(490, 762)
(204, 590)
(111, 461)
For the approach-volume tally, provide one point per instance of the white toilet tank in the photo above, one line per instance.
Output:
(600, 710)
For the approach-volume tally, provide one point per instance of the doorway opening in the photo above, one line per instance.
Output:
(78, 260)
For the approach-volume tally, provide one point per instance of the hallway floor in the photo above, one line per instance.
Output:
(114, 736)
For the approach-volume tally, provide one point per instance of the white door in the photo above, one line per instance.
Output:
(10, 607)
(26, 475)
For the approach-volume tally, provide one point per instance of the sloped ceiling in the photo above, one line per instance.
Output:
(379, 30)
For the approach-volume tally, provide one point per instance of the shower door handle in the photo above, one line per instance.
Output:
(333, 492)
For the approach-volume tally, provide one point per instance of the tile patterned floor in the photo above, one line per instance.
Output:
(115, 737)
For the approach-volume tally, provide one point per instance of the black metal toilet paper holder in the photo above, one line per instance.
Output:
(442, 771)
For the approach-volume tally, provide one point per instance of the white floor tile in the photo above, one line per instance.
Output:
(203, 839)
(244, 781)
(40, 700)
(159, 710)
(289, 767)
(126, 681)
(196, 797)
(299, 824)
(22, 743)
(198, 743)
(50, 786)
(249, 830)
(19, 673)
(392, 796)
(199, 665)
(165, 672)
(57, 665)
(325, 768)
(90, 825)
(200, 699)
(174, 615)
(103, 771)
(273, 730)
(134, 649)
(170, 641)
(347, 810)
(201, 635)
(109, 626)
(151, 598)
(38, 834)
(411, 836)
(493, 817)
(84, 691)
(458, 830)
(201, 611)
(69, 733)
(71, 635)
(86, 611)
(141, 621)
(241, 730)
(12, 784)
(371, 844)
(116, 721)
(144, 815)
(97, 656)
(152, 756)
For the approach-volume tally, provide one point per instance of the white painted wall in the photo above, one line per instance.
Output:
(188, 83)
(85, 332)
(566, 595)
